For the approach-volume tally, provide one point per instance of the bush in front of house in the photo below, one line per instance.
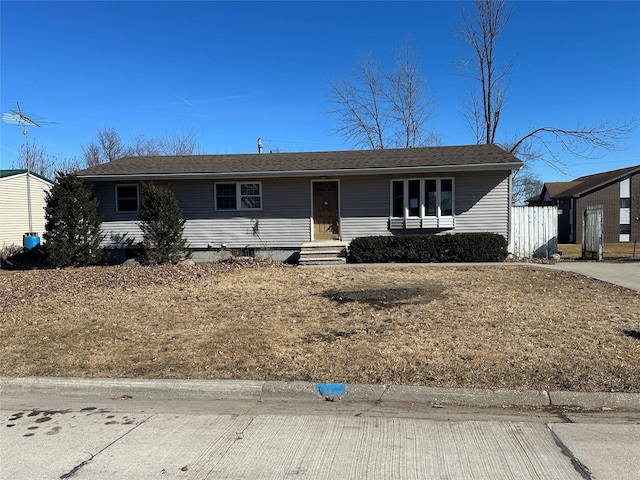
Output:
(459, 247)
(162, 226)
(72, 224)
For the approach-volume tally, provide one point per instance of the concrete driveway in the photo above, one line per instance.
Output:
(624, 274)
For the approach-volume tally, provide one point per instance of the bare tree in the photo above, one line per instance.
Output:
(379, 108)
(35, 158)
(526, 185)
(39, 161)
(69, 165)
(360, 112)
(108, 147)
(583, 142)
(142, 146)
(409, 103)
(111, 144)
(184, 142)
(482, 30)
(91, 154)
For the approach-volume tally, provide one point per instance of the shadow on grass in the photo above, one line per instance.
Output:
(632, 333)
(387, 297)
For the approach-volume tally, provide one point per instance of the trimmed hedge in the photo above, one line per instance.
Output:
(459, 247)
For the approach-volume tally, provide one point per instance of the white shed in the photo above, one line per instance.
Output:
(22, 203)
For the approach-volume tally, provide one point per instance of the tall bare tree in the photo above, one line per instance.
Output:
(378, 108)
(482, 30)
(410, 106)
(36, 159)
(360, 114)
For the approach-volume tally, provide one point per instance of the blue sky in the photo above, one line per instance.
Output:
(231, 72)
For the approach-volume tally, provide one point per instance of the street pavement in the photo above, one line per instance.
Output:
(140, 429)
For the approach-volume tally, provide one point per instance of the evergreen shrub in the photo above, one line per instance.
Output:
(72, 224)
(162, 226)
(459, 247)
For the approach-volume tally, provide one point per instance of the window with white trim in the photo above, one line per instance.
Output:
(422, 203)
(127, 198)
(239, 196)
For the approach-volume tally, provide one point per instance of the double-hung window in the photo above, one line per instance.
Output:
(422, 203)
(239, 196)
(127, 198)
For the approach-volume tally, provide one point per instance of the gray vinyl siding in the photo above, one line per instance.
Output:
(238, 232)
(283, 221)
(121, 234)
(482, 202)
(481, 205)
(364, 206)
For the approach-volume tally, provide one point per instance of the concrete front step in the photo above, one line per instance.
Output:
(322, 261)
(323, 253)
(324, 243)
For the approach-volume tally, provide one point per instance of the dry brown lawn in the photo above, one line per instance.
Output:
(490, 327)
(611, 251)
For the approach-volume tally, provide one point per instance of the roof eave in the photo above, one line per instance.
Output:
(586, 191)
(307, 173)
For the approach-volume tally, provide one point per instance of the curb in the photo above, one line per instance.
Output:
(249, 389)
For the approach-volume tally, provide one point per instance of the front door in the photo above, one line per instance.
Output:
(325, 211)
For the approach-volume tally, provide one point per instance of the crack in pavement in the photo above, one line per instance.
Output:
(579, 467)
(75, 469)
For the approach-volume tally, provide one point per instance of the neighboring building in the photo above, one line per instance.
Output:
(278, 201)
(618, 191)
(22, 203)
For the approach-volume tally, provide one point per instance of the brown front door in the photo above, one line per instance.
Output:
(325, 211)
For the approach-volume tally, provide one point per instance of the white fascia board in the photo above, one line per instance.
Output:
(305, 173)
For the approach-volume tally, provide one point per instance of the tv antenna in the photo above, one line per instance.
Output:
(17, 117)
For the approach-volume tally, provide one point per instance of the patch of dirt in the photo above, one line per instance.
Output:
(521, 327)
(387, 297)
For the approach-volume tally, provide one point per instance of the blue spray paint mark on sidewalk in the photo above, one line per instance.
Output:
(335, 389)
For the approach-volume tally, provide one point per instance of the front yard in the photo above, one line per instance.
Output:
(503, 326)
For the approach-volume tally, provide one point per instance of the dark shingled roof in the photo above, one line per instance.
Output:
(582, 185)
(306, 163)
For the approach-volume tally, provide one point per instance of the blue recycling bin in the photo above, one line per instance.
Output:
(30, 241)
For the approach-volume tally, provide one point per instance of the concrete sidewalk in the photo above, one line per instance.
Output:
(624, 274)
(139, 429)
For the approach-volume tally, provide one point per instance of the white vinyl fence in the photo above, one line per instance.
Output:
(534, 231)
